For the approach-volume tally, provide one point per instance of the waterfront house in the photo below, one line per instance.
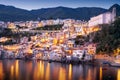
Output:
(55, 55)
(91, 48)
(78, 53)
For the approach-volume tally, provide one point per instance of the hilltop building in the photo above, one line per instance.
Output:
(105, 18)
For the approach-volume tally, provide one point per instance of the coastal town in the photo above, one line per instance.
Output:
(54, 39)
(59, 39)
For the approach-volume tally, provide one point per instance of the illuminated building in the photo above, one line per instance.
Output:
(105, 18)
(11, 25)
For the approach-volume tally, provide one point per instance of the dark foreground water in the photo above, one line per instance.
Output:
(42, 70)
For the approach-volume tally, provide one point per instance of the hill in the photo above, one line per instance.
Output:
(11, 13)
(83, 13)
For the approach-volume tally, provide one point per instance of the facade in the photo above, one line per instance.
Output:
(3, 24)
(91, 48)
(24, 40)
(78, 53)
(11, 25)
(80, 27)
(105, 18)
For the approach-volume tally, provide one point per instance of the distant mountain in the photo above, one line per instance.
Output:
(83, 13)
(10, 13)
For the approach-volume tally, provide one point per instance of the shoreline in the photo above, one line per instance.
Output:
(102, 61)
(95, 62)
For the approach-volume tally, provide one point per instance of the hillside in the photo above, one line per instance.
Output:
(108, 38)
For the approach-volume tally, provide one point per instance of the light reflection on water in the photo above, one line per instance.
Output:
(42, 70)
(100, 73)
(118, 74)
(1, 71)
(70, 72)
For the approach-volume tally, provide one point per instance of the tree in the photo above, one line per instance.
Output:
(79, 40)
(108, 38)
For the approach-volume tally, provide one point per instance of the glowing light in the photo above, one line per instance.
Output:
(17, 68)
(12, 72)
(118, 74)
(70, 72)
(47, 72)
(42, 40)
(55, 41)
(4, 39)
(1, 71)
(61, 41)
(100, 73)
(28, 51)
(117, 61)
(62, 74)
(89, 77)
(39, 71)
(12, 47)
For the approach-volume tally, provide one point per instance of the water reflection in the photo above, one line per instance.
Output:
(40, 70)
(62, 74)
(1, 71)
(12, 72)
(47, 72)
(101, 73)
(70, 72)
(17, 69)
(118, 74)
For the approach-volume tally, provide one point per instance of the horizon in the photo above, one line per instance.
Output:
(32, 5)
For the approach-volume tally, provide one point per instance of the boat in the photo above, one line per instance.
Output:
(116, 63)
(50, 61)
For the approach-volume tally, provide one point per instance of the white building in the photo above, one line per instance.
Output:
(54, 56)
(3, 24)
(20, 23)
(78, 53)
(79, 27)
(105, 18)
(24, 40)
(35, 24)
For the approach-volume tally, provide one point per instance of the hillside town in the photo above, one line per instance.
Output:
(56, 44)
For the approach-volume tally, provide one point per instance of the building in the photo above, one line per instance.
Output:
(80, 27)
(78, 53)
(11, 25)
(24, 40)
(91, 48)
(3, 24)
(105, 18)
(35, 24)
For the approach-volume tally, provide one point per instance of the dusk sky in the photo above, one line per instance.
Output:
(37, 4)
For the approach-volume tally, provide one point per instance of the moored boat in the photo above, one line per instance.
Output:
(116, 63)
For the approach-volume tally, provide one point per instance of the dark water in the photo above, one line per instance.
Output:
(42, 70)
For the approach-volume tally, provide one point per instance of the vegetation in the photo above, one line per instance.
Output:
(50, 27)
(21, 27)
(14, 35)
(79, 40)
(108, 38)
(6, 32)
